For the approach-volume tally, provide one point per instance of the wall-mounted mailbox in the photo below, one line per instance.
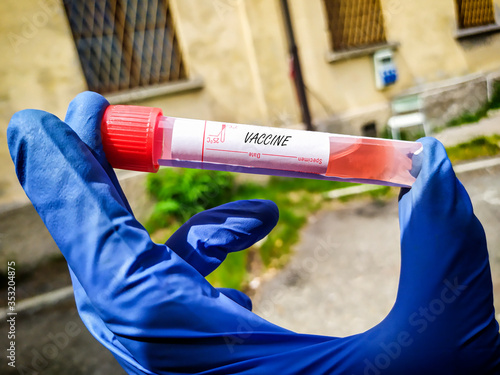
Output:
(386, 73)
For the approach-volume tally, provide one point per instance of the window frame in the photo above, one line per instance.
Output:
(169, 53)
(334, 55)
(471, 31)
(338, 12)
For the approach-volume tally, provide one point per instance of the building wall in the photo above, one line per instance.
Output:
(428, 52)
(236, 47)
(38, 69)
(426, 31)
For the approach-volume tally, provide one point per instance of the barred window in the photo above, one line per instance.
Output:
(355, 23)
(474, 13)
(125, 44)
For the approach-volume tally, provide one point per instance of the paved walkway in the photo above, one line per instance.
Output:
(464, 133)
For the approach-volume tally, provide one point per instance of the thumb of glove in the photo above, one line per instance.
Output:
(205, 240)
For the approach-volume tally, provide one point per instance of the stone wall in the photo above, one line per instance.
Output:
(445, 103)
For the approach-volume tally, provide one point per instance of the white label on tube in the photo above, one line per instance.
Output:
(250, 146)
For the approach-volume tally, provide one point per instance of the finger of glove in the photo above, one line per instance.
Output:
(444, 258)
(205, 240)
(435, 178)
(437, 203)
(239, 297)
(434, 214)
(84, 116)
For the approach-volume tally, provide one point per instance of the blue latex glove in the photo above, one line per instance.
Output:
(151, 306)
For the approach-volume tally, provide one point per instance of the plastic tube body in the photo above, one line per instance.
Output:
(283, 152)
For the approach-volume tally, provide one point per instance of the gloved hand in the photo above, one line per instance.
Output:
(151, 306)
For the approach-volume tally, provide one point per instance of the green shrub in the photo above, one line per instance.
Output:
(181, 193)
(495, 96)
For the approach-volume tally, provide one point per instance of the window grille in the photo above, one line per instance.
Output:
(355, 23)
(125, 44)
(474, 13)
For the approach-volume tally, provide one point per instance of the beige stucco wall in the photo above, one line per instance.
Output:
(38, 69)
(236, 47)
(428, 43)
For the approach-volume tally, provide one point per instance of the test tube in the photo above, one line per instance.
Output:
(142, 139)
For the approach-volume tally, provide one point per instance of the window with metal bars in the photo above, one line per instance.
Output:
(474, 13)
(354, 24)
(125, 44)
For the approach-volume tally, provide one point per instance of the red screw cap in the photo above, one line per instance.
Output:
(131, 137)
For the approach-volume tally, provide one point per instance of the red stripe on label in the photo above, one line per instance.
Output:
(216, 149)
(281, 156)
(203, 144)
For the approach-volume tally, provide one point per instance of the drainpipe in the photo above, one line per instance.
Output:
(296, 70)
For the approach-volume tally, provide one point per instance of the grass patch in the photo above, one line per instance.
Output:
(296, 200)
(181, 193)
(478, 147)
(233, 272)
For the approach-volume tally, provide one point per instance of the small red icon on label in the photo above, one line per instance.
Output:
(218, 138)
